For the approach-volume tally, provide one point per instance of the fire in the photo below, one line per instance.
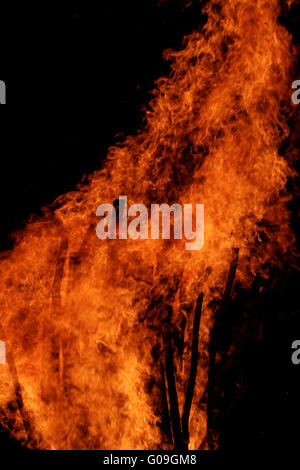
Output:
(88, 323)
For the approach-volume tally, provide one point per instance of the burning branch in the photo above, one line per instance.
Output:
(231, 276)
(180, 427)
(193, 372)
(172, 393)
(213, 347)
(53, 363)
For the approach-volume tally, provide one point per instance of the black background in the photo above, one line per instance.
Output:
(79, 74)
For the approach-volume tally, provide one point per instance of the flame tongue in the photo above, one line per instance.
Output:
(84, 319)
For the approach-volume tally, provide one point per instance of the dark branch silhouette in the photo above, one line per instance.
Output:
(172, 394)
(193, 372)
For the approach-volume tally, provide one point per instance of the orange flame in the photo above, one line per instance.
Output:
(80, 356)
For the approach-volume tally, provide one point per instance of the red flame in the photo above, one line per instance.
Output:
(81, 317)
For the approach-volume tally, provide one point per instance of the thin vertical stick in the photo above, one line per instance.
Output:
(193, 372)
(52, 363)
(172, 392)
(213, 347)
(231, 275)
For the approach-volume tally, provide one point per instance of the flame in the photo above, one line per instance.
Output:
(82, 318)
